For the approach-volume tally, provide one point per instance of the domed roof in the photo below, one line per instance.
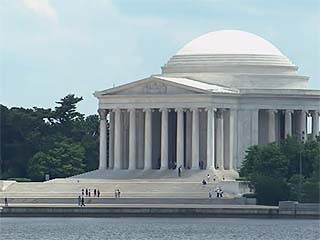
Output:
(229, 42)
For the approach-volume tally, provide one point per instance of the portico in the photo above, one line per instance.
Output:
(206, 108)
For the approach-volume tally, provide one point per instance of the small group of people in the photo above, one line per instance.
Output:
(117, 193)
(218, 191)
(87, 192)
(214, 178)
(204, 181)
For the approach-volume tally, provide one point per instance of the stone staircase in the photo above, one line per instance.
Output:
(137, 184)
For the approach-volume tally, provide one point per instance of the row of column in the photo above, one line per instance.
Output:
(115, 135)
(214, 148)
(288, 131)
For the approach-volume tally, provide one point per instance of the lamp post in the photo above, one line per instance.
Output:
(302, 138)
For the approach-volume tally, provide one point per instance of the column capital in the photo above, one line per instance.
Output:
(272, 111)
(315, 113)
(102, 113)
(179, 110)
(131, 110)
(213, 109)
(289, 111)
(219, 112)
(304, 111)
(147, 110)
(116, 110)
(163, 110)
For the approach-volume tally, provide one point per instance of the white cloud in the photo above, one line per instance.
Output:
(42, 8)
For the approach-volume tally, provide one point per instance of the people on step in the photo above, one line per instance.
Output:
(219, 192)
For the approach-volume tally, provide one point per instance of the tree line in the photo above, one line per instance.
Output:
(60, 142)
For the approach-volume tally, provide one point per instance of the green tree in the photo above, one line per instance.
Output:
(274, 169)
(267, 160)
(26, 132)
(63, 160)
(270, 190)
(21, 132)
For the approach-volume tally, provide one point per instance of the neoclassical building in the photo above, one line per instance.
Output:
(220, 94)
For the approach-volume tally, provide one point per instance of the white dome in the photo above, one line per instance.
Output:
(229, 42)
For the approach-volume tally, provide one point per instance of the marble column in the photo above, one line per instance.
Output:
(232, 136)
(315, 124)
(111, 139)
(132, 139)
(288, 123)
(303, 125)
(210, 138)
(117, 139)
(164, 138)
(180, 137)
(254, 126)
(188, 137)
(148, 139)
(271, 125)
(103, 140)
(220, 141)
(195, 139)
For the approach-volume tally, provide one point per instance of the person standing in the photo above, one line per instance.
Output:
(218, 192)
(116, 193)
(6, 202)
(79, 200)
(82, 192)
(221, 192)
(98, 193)
(179, 171)
(82, 202)
(89, 192)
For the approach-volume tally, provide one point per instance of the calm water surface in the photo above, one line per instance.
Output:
(157, 228)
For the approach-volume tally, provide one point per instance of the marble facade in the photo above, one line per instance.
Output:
(211, 102)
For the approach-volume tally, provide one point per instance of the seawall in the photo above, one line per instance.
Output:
(154, 210)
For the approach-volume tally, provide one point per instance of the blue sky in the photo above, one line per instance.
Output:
(50, 48)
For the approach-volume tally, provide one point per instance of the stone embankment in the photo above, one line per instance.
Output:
(285, 210)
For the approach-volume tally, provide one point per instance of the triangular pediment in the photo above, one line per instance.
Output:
(152, 86)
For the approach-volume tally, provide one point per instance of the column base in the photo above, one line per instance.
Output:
(164, 168)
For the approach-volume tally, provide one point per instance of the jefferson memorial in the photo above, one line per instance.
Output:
(220, 94)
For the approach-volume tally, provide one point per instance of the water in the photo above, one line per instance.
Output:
(157, 228)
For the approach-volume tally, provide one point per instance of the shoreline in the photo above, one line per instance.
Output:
(153, 210)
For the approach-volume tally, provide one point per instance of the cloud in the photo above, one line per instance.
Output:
(42, 8)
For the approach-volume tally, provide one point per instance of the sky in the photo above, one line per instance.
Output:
(51, 48)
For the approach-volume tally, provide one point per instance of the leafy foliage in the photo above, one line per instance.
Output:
(64, 159)
(37, 141)
(274, 169)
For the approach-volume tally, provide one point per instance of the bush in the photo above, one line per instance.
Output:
(311, 191)
(270, 190)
